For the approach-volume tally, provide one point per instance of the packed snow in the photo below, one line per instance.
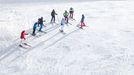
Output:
(103, 47)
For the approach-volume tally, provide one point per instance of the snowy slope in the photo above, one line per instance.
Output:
(36, 1)
(105, 47)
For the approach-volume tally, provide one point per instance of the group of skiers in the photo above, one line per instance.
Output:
(65, 20)
(39, 24)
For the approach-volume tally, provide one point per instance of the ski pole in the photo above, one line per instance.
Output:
(58, 19)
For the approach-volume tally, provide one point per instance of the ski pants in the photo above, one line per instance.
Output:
(82, 24)
(53, 19)
(66, 18)
(41, 26)
(22, 41)
(62, 27)
(34, 29)
(71, 15)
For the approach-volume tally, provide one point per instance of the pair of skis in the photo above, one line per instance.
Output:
(38, 34)
(25, 46)
(78, 25)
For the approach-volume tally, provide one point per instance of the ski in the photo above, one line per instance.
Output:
(38, 35)
(27, 45)
(77, 25)
(72, 19)
(80, 27)
(43, 32)
(62, 31)
(69, 23)
(24, 47)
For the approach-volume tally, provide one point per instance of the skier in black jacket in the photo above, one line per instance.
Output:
(53, 13)
(40, 23)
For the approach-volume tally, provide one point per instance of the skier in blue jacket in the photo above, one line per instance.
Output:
(34, 28)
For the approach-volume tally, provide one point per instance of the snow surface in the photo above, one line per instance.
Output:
(36, 1)
(105, 47)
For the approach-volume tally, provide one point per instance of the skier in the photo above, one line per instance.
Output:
(34, 28)
(65, 14)
(62, 25)
(71, 11)
(22, 37)
(53, 13)
(82, 21)
(40, 23)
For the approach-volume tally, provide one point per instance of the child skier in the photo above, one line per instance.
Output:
(23, 38)
(53, 13)
(40, 22)
(65, 14)
(71, 11)
(82, 21)
(62, 25)
(34, 28)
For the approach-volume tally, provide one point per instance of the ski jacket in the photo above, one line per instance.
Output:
(53, 13)
(23, 35)
(71, 10)
(35, 25)
(40, 20)
(82, 19)
(65, 14)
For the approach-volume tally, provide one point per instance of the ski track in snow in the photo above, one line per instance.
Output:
(104, 47)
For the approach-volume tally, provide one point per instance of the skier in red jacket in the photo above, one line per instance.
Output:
(22, 37)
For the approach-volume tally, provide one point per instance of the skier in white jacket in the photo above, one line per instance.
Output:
(62, 25)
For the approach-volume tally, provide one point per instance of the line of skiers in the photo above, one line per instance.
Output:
(64, 21)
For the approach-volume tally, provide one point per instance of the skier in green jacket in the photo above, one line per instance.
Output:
(65, 14)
